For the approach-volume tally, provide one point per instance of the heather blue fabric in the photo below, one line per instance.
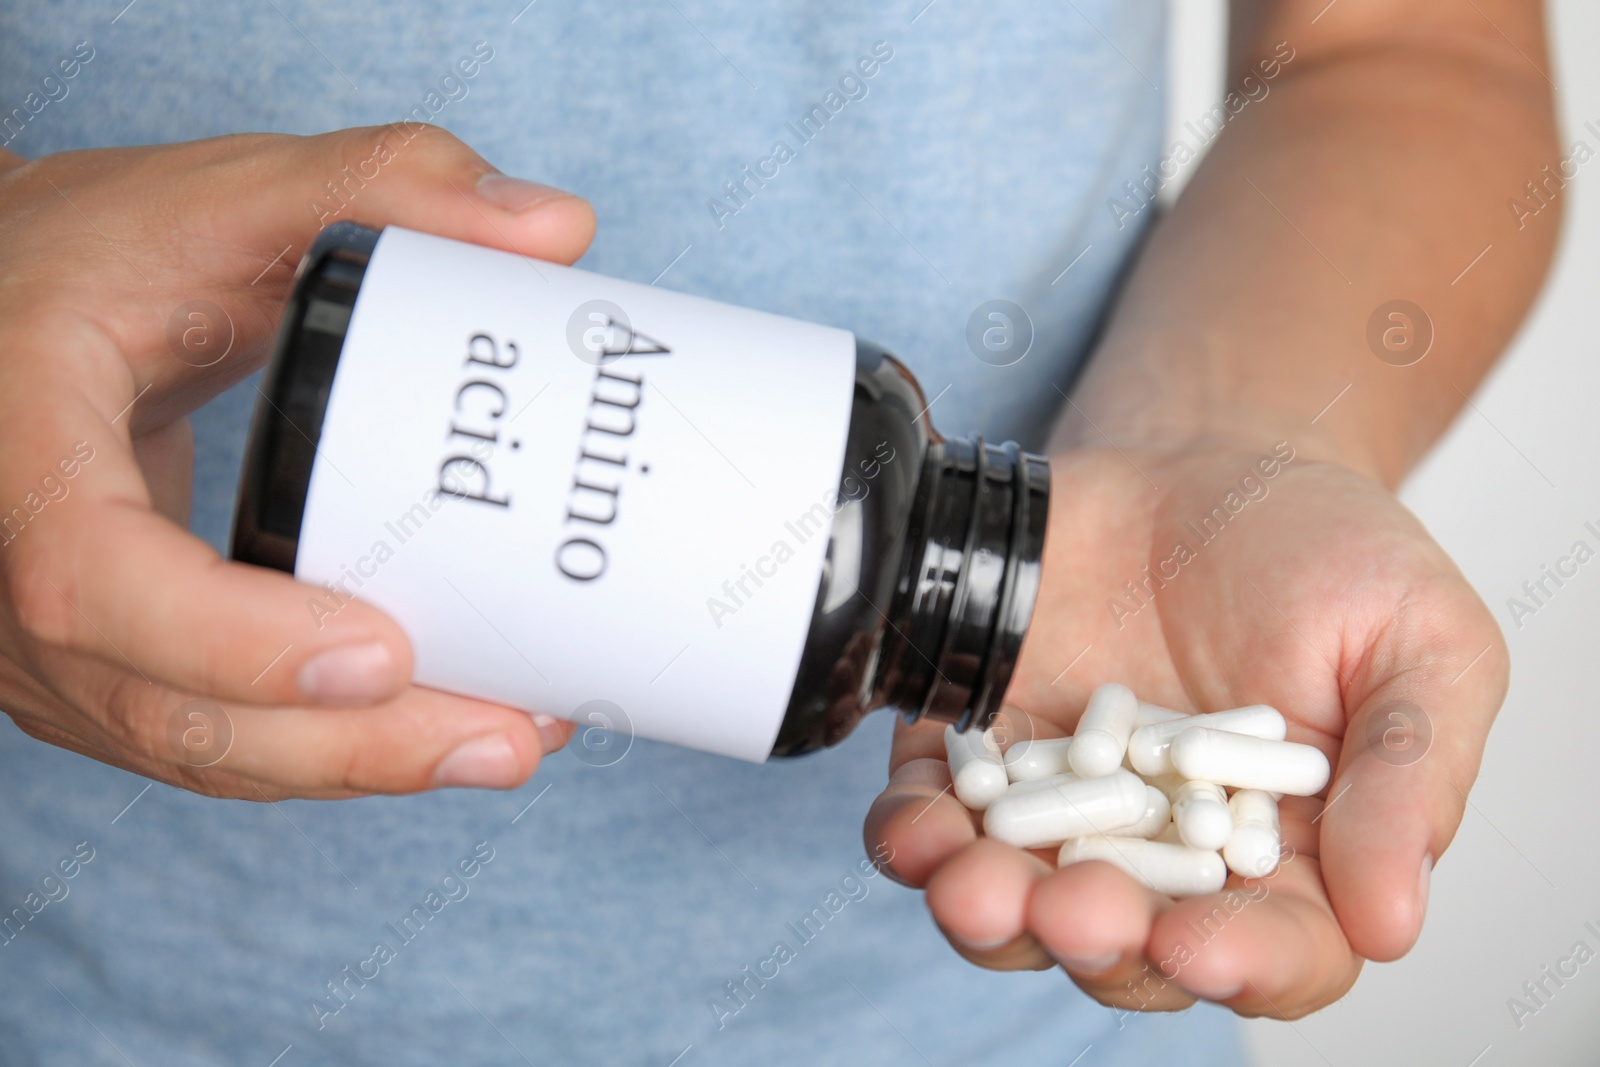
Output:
(618, 905)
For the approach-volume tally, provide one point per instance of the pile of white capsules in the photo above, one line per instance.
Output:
(1145, 789)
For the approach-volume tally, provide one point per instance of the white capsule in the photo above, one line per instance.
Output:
(1157, 815)
(1200, 812)
(1254, 848)
(1041, 783)
(975, 766)
(1037, 817)
(1150, 714)
(1149, 749)
(1101, 738)
(1038, 758)
(1168, 783)
(1250, 762)
(1176, 870)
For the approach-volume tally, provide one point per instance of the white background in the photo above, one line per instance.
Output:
(1514, 890)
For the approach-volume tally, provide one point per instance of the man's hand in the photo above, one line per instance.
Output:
(1321, 596)
(123, 637)
(1383, 164)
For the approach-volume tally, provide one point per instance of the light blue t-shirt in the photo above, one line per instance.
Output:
(604, 915)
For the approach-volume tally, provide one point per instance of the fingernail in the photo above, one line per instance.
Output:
(348, 675)
(981, 946)
(515, 194)
(888, 872)
(1087, 964)
(1210, 991)
(1424, 880)
(482, 763)
(551, 734)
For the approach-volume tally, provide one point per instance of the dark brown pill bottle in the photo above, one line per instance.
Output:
(641, 510)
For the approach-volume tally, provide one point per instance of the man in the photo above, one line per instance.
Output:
(1364, 158)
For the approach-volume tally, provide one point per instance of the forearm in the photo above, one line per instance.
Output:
(1378, 167)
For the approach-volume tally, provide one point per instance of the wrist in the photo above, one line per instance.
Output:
(1173, 395)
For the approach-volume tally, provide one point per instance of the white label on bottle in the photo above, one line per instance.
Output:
(569, 489)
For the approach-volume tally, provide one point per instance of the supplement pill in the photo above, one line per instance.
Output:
(1176, 870)
(1168, 783)
(975, 767)
(1038, 817)
(1254, 848)
(1148, 748)
(1150, 714)
(1038, 758)
(1102, 735)
(1041, 783)
(1157, 815)
(1250, 762)
(1200, 812)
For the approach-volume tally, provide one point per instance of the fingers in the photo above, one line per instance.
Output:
(95, 571)
(425, 178)
(1263, 946)
(1096, 921)
(1268, 946)
(980, 898)
(99, 573)
(255, 191)
(1090, 916)
(406, 174)
(918, 813)
(87, 565)
(919, 820)
(213, 229)
(422, 739)
(1410, 755)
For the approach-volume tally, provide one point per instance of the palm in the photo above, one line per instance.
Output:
(1318, 594)
(1279, 606)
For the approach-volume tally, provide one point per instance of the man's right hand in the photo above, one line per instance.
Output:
(135, 284)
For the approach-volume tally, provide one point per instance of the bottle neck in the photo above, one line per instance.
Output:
(968, 581)
(295, 390)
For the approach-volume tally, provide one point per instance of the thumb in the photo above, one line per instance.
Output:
(114, 579)
(1412, 749)
(219, 225)
(405, 174)
(425, 178)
